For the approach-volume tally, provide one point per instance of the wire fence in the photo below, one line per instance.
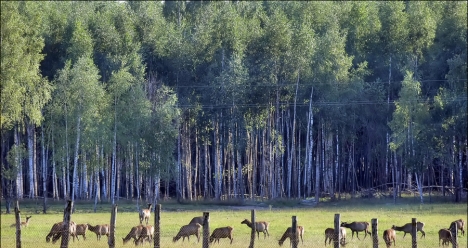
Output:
(63, 234)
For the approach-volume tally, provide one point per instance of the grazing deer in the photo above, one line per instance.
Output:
(145, 214)
(81, 230)
(23, 223)
(446, 237)
(407, 228)
(134, 233)
(58, 229)
(220, 233)
(289, 234)
(187, 231)
(198, 219)
(146, 233)
(260, 226)
(330, 234)
(388, 236)
(357, 227)
(460, 224)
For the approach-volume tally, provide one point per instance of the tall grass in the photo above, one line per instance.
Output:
(315, 220)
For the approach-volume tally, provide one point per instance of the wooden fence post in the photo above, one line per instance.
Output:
(375, 233)
(454, 231)
(111, 240)
(18, 225)
(337, 236)
(206, 229)
(414, 236)
(66, 223)
(295, 236)
(252, 233)
(157, 226)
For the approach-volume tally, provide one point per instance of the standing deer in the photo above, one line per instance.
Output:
(23, 223)
(260, 226)
(145, 214)
(407, 228)
(100, 230)
(357, 227)
(460, 224)
(446, 237)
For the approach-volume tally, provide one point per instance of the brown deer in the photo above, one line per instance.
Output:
(330, 234)
(198, 219)
(460, 224)
(446, 237)
(100, 230)
(388, 236)
(220, 233)
(357, 227)
(187, 231)
(289, 234)
(81, 230)
(260, 226)
(57, 231)
(146, 234)
(134, 233)
(407, 228)
(23, 223)
(145, 214)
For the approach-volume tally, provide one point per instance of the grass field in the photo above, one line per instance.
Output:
(314, 219)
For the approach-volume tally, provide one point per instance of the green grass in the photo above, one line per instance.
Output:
(278, 213)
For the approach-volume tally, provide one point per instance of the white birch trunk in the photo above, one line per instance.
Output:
(75, 159)
(84, 178)
(289, 152)
(31, 164)
(18, 164)
(310, 146)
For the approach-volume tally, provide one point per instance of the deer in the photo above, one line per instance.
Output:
(446, 237)
(388, 236)
(220, 233)
(198, 219)
(187, 231)
(460, 224)
(134, 233)
(23, 223)
(100, 230)
(407, 228)
(145, 214)
(260, 226)
(330, 234)
(81, 230)
(58, 229)
(357, 227)
(146, 233)
(289, 234)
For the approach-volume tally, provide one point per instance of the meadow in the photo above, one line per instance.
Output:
(314, 219)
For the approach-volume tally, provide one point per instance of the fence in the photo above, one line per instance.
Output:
(294, 233)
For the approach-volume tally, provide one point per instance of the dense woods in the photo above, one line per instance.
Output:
(233, 99)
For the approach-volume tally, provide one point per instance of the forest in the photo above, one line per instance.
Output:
(197, 100)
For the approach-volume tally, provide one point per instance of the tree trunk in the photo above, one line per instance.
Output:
(310, 146)
(44, 173)
(75, 160)
(31, 161)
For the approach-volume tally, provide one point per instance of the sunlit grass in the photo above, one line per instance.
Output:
(315, 221)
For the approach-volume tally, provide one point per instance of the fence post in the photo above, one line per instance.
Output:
(157, 226)
(18, 225)
(66, 223)
(206, 229)
(454, 230)
(375, 233)
(295, 236)
(414, 236)
(252, 233)
(337, 237)
(111, 240)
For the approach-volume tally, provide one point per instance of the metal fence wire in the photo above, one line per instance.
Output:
(341, 235)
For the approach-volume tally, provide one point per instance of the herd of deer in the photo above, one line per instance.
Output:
(142, 233)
